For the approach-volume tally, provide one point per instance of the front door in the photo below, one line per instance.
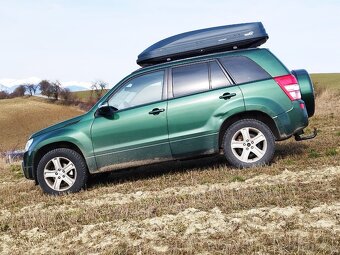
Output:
(137, 133)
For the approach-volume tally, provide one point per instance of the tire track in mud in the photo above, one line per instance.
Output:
(191, 224)
(188, 225)
(285, 177)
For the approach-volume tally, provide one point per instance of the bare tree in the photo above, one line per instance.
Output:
(35, 87)
(19, 91)
(46, 88)
(30, 88)
(102, 85)
(66, 95)
(98, 88)
(56, 88)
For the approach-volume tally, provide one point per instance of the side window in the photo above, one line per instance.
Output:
(217, 77)
(190, 79)
(141, 90)
(243, 69)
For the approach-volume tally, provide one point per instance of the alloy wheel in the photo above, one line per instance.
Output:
(249, 144)
(60, 173)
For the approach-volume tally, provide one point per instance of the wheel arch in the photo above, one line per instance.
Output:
(257, 115)
(51, 146)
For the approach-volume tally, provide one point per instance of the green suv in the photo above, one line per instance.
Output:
(238, 103)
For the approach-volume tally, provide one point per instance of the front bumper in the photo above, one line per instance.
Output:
(27, 169)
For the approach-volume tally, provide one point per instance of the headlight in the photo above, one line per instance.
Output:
(28, 144)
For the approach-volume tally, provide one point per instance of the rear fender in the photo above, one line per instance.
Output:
(307, 90)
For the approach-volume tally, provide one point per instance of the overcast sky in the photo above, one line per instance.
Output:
(85, 40)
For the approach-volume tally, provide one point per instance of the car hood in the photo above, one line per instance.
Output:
(58, 126)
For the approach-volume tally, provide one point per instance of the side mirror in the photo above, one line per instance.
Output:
(105, 110)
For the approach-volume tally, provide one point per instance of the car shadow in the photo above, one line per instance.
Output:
(283, 151)
(156, 170)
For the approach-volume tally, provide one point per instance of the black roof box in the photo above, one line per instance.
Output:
(204, 41)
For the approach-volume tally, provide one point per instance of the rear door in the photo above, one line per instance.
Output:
(201, 98)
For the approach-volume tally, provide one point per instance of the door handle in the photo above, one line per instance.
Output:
(156, 111)
(227, 95)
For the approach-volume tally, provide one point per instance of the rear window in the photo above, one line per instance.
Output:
(243, 69)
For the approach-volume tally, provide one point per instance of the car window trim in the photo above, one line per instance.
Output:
(230, 79)
(231, 82)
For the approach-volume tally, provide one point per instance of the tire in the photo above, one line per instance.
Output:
(62, 171)
(248, 143)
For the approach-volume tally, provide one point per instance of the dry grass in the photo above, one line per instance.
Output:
(20, 117)
(326, 80)
(201, 206)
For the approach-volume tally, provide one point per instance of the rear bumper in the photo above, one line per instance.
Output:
(26, 168)
(292, 121)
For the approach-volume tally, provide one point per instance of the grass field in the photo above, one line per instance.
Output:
(194, 207)
(20, 117)
(87, 95)
(326, 80)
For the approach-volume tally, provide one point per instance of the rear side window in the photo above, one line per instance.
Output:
(190, 79)
(243, 69)
(217, 77)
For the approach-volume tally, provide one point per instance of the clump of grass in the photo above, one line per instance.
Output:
(16, 171)
(337, 133)
(290, 162)
(237, 178)
(313, 154)
(331, 152)
(4, 227)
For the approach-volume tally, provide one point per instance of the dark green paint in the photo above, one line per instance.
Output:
(189, 125)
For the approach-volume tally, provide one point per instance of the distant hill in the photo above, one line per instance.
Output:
(74, 88)
(9, 85)
(20, 117)
(5, 88)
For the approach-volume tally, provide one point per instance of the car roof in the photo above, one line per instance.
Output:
(196, 59)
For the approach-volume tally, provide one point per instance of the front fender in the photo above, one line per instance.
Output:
(77, 135)
(80, 139)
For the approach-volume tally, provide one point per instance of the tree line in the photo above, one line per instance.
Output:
(53, 90)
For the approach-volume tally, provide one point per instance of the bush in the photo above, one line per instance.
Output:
(3, 95)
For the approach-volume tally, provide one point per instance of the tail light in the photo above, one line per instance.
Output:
(289, 85)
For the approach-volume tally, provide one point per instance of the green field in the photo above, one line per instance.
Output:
(87, 95)
(326, 80)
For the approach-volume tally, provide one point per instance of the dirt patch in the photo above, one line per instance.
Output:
(4, 214)
(286, 177)
(190, 224)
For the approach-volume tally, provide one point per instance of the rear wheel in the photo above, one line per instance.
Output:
(248, 143)
(62, 171)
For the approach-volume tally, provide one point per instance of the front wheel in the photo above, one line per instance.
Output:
(62, 171)
(248, 143)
